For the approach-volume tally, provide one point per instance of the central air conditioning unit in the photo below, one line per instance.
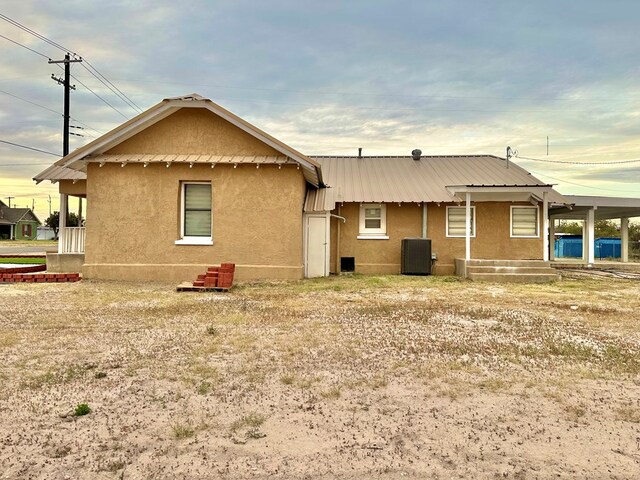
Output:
(416, 256)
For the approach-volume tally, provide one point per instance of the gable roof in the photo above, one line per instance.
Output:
(403, 179)
(11, 216)
(77, 159)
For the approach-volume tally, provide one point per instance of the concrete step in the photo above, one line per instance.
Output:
(508, 263)
(501, 269)
(514, 277)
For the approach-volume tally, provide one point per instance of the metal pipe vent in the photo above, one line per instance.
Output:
(415, 154)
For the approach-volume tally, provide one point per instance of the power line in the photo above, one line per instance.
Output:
(50, 110)
(34, 33)
(581, 185)
(24, 46)
(98, 96)
(30, 148)
(617, 162)
(100, 76)
(120, 95)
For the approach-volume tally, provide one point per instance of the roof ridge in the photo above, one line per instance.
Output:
(408, 156)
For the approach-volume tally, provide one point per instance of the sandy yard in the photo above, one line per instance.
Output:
(351, 377)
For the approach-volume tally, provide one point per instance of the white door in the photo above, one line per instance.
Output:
(317, 246)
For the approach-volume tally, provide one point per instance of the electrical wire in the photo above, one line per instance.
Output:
(94, 93)
(617, 162)
(24, 46)
(30, 148)
(100, 75)
(34, 33)
(53, 111)
(581, 185)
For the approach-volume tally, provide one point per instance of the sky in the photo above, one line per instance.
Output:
(454, 77)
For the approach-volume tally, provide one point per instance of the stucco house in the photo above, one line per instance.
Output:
(18, 223)
(187, 184)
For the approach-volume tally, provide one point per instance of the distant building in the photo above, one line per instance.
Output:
(18, 223)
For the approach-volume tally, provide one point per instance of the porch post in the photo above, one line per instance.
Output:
(591, 235)
(552, 238)
(467, 233)
(545, 226)
(79, 211)
(624, 239)
(62, 221)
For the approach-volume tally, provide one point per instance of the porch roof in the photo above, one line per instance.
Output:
(605, 207)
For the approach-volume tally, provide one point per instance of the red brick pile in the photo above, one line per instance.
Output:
(217, 277)
(39, 277)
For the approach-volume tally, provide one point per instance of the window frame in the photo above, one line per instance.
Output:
(473, 223)
(365, 233)
(193, 239)
(512, 208)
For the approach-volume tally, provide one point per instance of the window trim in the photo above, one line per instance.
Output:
(193, 239)
(473, 226)
(537, 207)
(373, 233)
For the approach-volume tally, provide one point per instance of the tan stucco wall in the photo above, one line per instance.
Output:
(133, 221)
(383, 256)
(78, 189)
(194, 131)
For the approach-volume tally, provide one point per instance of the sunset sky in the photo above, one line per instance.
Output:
(455, 77)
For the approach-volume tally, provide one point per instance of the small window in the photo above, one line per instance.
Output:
(456, 221)
(196, 213)
(373, 220)
(524, 222)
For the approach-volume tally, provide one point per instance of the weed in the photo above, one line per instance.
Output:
(287, 378)
(331, 394)
(628, 414)
(211, 330)
(252, 420)
(183, 430)
(82, 409)
(204, 388)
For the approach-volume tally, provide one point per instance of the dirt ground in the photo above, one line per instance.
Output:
(346, 378)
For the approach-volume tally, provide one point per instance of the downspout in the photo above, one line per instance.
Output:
(424, 220)
(338, 238)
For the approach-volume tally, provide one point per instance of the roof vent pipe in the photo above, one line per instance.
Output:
(415, 154)
(360, 152)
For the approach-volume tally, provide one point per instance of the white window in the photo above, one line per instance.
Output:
(373, 221)
(195, 215)
(524, 222)
(456, 221)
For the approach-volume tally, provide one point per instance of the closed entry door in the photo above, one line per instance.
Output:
(316, 261)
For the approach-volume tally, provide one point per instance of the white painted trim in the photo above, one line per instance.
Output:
(366, 232)
(513, 207)
(373, 237)
(190, 240)
(195, 241)
(446, 231)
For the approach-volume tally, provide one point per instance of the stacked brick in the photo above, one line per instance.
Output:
(39, 277)
(217, 277)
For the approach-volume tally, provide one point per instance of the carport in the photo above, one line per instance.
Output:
(590, 209)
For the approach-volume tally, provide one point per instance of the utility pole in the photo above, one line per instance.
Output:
(49, 205)
(67, 87)
(9, 198)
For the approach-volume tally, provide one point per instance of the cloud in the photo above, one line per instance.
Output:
(328, 77)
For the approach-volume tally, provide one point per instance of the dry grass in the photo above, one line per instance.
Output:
(349, 362)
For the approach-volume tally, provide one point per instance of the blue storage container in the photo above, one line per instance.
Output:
(570, 246)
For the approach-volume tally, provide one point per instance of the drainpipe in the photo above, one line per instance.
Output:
(338, 240)
(424, 220)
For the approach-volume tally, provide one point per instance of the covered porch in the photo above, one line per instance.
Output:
(589, 209)
(71, 239)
